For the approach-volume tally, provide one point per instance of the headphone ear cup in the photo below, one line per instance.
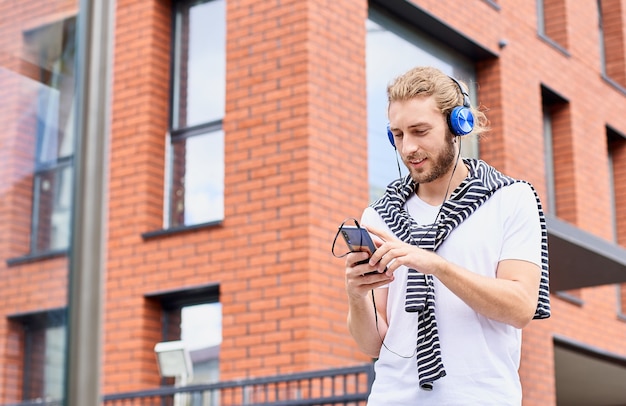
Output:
(461, 121)
(390, 136)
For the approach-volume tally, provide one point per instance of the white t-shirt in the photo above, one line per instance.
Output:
(481, 356)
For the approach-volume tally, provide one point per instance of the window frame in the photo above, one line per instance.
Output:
(617, 76)
(38, 322)
(541, 29)
(178, 298)
(175, 300)
(550, 101)
(57, 165)
(177, 133)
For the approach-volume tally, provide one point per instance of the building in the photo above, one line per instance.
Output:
(243, 132)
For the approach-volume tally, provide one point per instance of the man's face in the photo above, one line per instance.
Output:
(422, 138)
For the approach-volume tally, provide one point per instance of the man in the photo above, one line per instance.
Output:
(461, 260)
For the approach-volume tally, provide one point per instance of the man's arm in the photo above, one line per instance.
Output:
(510, 298)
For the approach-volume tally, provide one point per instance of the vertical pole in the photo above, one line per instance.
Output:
(87, 251)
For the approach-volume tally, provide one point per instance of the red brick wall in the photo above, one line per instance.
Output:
(139, 124)
(295, 143)
(294, 162)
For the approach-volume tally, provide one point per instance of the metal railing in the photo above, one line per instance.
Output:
(335, 387)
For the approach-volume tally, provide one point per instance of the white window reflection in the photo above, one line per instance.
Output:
(206, 69)
(201, 332)
(199, 183)
(54, 362)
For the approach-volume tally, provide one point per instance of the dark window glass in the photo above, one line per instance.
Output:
(44, 354)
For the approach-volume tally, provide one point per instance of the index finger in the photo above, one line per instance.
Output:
(381, 235)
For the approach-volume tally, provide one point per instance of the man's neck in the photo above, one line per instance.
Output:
(437, 191)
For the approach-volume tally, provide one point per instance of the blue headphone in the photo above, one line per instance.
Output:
(460, 120)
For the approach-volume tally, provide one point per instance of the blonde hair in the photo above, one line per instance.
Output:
(429, 81)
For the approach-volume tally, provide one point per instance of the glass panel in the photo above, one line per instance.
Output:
(55, 357)
(387, 40)
(34, 362)
(37, 74)
(201, 331)
(53, 47)
(200, 328)
(197, 179)
(44, 356)
(200, 64)
(550, 199)
(52, 209)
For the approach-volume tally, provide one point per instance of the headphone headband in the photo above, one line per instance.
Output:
(466, 98)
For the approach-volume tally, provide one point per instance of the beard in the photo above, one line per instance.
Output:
(442, 161)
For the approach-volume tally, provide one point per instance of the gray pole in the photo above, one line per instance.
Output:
(87, 251)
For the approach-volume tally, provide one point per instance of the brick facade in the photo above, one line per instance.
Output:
(296, 165)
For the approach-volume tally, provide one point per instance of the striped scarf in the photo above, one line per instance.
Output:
(482, 182)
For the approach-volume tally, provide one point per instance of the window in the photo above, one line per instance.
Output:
(53, 48)
(616, 143)
(551, 105)
(195, 154)
(194, 316)
(555, 134)
(552, 23)
(390, 40)
(44, 354)
(550, 203)
(557, 148)
(610, 25)
(200, 328)
(616, 146)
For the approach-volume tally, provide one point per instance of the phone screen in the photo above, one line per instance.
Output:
(358, 239)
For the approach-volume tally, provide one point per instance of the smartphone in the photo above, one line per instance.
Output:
(358, 239)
